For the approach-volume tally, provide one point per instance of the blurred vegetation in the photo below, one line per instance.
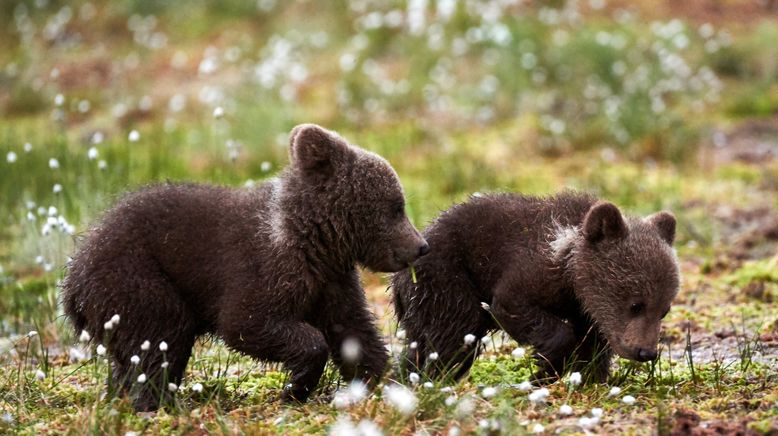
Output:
(652, 105)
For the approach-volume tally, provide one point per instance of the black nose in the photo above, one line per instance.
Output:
(646, 355)
(424, 249)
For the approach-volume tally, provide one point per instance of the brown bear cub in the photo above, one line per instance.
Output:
(269, 269)
(569, 275)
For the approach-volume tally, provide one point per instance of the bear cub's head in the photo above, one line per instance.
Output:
(357, 198)
(626, 276)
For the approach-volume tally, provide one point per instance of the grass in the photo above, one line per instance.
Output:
(646, 111)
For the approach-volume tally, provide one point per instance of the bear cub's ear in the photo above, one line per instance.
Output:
(604, 222)
(664, 222)
(314, 149)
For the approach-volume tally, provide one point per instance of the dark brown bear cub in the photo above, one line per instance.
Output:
(568, 274)
(269, 269)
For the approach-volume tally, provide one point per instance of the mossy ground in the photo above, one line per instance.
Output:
(565, 101)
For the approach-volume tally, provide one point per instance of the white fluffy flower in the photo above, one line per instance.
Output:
(614, 391)
(197, 387)
(587, 423)
(489, 392)
(218, 112)
(428, 385)
(145, 345)
(539, 395)
(92, 153)
(108, 325)
(10, 157)
(164, 364)
(163, 346)
(485, 306)
(100, 350)
(413, 345)
(134, 136)
(597, 412)
(401, 398)
(85, 336)
(414, 378)
(57, 188)
(628, 399)
(518, 352)
(172, 387)
(433, 356)
(575, 379)
(354, 393)
(565, 410)
(115, 319)
(135, 359)
(400, 334)
(525, 386)
(53, 163)
(538, 428)
(32, 333)
(142, 378)
(469, 339)
(40, 375)
(350, 350)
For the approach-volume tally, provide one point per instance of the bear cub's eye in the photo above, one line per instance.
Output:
(637, 308)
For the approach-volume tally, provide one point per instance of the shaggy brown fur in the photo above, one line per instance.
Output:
(270, 269)
(567, 274)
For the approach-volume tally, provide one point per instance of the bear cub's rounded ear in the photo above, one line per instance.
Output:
(604, 222)
(664, 222)
(315, 149)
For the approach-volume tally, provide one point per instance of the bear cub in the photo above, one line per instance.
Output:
(270, 269)
(568, 274)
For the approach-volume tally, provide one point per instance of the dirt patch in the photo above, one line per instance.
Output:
(687, 422)
(754, 142)
(748, 233)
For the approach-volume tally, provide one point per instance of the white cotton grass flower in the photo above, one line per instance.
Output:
(172, 387)
(525, 386)
(538, 428)
(428, 385)
(134, 136)
(574, 379)
(469, 339)
(101, 164)
(57, 188)
(108, 325)
(53, 163)
(486, 340)
(539, 396)
(145, 345)
(265, 166)
(142, 378)
(10, 157)
(400, 334)
(92, 153)
(489, 392)
(518, 352)
(85, 336)
(597, 412)
(135, 359)
(353, 394)
(32, 333)
(351, 350)
(465, 407)
(100, 350)
(565, 410)
(115, 319)
(218, 112)
(586, 423)
(614, 391)
(434, 356)
(401, 398)
(40, 375)
(485, 306)
(450, 400)
(414, 378)
(628, 400)
(163, 346)
(413, 345)
(197, 387)
(27, 147)
(76, 354)
(164, 364)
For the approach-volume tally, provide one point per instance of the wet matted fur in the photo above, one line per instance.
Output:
(270, 269)
(567, 274)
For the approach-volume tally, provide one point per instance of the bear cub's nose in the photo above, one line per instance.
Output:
(646, 355)
(424, 249)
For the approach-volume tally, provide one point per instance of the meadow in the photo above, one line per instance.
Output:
(650, 105)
